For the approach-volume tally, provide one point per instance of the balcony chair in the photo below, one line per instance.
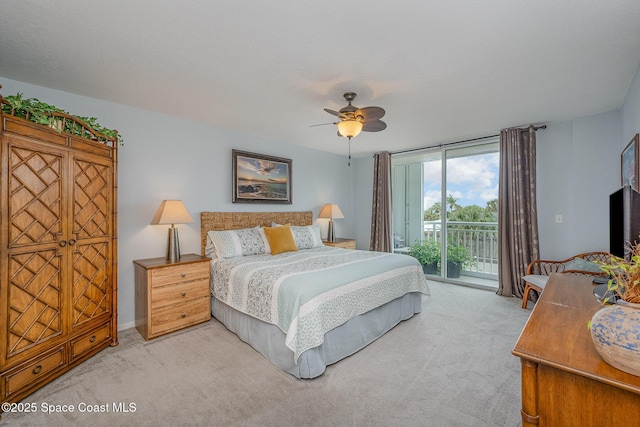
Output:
(538, 271)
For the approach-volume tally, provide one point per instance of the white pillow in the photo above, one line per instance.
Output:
(242, 242)
(305, 236)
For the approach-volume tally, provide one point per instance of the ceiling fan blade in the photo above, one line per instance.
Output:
(370, 113)
(374, 126)
(335, 113)
(323, 124)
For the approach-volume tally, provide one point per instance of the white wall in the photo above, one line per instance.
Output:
(165, 157)
(578, 167)
(631, 112)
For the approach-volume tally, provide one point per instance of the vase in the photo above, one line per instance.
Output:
(615, 331)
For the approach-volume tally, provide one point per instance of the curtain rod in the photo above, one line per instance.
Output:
(457, 142)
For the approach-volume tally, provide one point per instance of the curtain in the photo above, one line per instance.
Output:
(517, 215)
(381, 207)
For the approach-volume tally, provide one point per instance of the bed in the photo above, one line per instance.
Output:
(308, 308)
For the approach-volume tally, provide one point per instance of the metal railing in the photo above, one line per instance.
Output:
(480, 240)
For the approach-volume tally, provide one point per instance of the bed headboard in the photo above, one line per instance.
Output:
(235, 220)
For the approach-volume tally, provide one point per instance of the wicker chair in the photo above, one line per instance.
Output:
(539, 270)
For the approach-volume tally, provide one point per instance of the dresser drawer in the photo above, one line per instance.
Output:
(177, 316)
(179, 273)
(87, 342)
(34, 371)
(172, 294)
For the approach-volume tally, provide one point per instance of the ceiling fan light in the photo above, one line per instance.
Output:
(349, 128)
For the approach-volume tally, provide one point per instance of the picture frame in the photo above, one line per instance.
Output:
(260, 178)
(629, 163)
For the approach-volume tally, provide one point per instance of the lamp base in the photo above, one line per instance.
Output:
(331, 235)
(173, 245)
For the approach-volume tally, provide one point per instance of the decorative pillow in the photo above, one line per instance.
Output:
(582, 265)
(306, 236)
(280, 239)
(537, 280)
(234, 243)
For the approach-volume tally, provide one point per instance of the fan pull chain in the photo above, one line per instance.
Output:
(349, 152)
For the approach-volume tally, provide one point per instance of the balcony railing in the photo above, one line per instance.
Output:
(480, 239)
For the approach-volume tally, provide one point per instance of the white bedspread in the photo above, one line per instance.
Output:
(309, 292)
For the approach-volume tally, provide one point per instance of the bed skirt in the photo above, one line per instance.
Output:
(339, 343)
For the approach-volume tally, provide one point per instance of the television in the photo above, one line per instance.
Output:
(624, 220)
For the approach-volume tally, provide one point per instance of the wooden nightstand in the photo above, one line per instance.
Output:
(171, 295)
(342, 243)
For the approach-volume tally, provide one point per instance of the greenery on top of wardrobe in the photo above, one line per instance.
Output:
(36, 111)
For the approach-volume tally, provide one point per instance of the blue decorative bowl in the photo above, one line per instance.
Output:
(615, 331)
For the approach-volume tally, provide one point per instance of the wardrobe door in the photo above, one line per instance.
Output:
(33, 253)
(92, 231)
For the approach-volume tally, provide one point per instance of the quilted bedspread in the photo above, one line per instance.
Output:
(309, 292)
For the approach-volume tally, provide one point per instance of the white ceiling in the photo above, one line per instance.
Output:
(443, 70)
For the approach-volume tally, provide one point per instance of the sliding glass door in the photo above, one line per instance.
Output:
(445, 202)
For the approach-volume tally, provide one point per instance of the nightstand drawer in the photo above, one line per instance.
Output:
(179, 273)
(178, 316)
(165, 295)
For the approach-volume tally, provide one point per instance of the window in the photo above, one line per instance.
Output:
(455, 189)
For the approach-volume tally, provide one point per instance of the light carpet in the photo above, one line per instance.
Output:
(450, 365)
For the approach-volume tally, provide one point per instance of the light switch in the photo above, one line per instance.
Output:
(558, 218)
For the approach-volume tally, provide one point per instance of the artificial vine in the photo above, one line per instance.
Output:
(42, 113)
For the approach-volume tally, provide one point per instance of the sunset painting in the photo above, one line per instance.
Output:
(261, 179)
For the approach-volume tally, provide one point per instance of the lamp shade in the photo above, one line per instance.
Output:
(171, 212)
(349, 128)
(331, 211)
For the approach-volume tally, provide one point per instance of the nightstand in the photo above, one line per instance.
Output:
(171, 295)
(342, 243)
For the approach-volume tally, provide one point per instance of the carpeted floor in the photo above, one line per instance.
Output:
(451, 365)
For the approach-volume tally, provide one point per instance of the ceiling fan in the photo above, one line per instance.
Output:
(353, 120)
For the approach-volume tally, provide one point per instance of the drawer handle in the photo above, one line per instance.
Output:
(184, 293)
(37, 370)
(183, 274)
(72, 242)
(183, 315)
(62, 243)
(92, 339)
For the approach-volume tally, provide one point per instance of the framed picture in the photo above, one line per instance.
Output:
(258, 178)
(629, 164)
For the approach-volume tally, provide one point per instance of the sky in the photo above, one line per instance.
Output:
(473, 180)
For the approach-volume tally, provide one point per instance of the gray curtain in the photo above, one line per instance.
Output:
(381, 209)
(517, 215)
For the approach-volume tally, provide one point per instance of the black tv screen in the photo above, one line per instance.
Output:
(624, 220)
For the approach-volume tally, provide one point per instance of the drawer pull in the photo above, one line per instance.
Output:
(37, 370)
(92, 339)
(183, 315)
(183, 274)
(184, 293)
(62, 243)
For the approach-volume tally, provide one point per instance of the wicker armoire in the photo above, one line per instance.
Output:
(58, 249)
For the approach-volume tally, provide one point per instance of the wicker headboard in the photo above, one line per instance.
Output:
(235, 220)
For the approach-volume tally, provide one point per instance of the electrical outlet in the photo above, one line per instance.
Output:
(559, 218)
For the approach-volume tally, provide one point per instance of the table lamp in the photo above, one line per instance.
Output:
(331, 211)
(172, 212)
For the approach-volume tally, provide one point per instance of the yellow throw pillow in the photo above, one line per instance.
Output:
(280, 239)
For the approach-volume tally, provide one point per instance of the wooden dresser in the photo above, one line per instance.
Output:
(58, 251)
(171, 295)
(342, 243)
(565, 382)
